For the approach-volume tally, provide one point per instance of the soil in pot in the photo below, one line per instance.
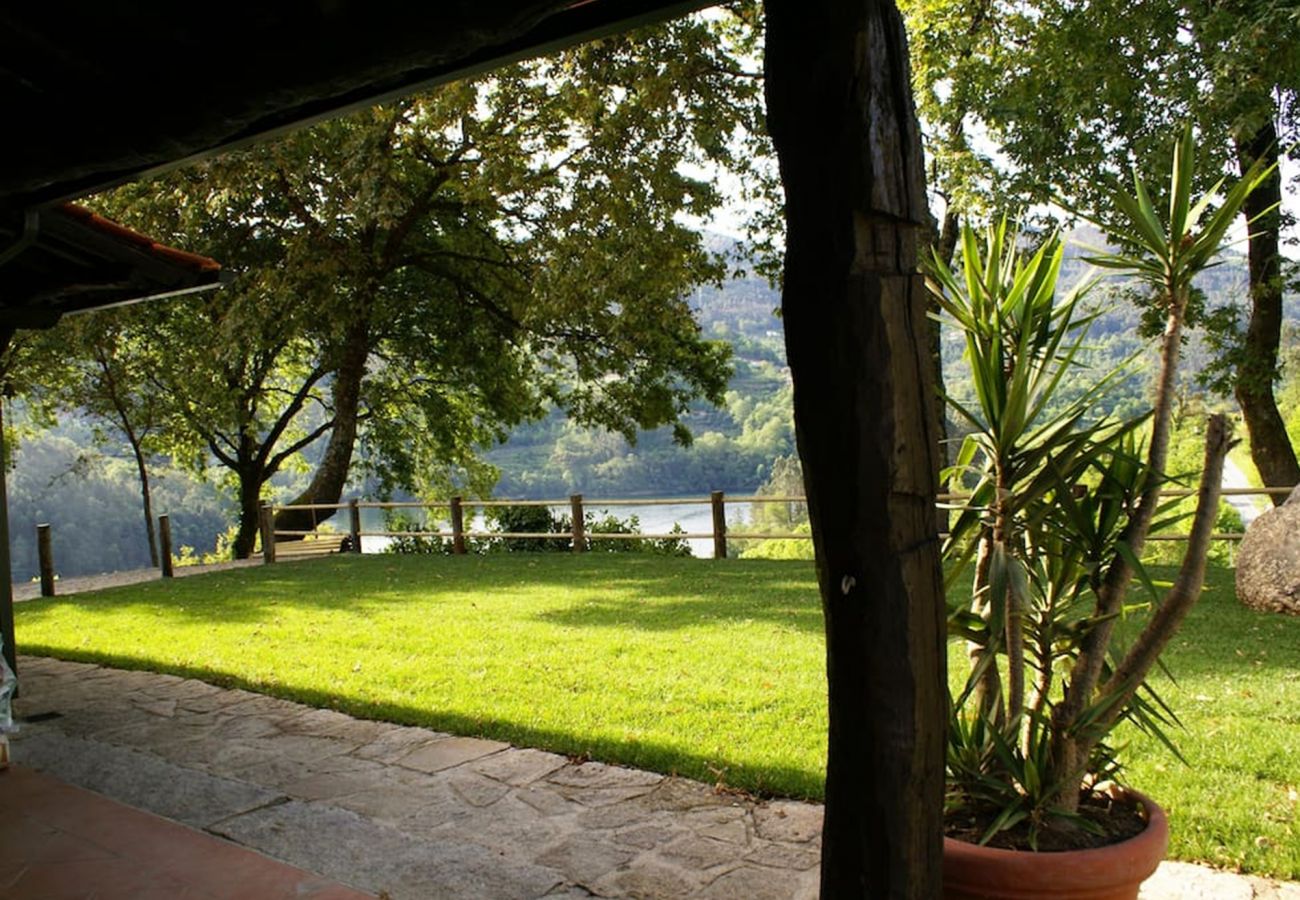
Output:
(1117, 818)
(1111, 872)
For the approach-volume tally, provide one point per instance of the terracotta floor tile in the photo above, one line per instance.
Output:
(25, 839)
(58, 842)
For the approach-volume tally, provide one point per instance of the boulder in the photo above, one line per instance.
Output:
(1268, 563)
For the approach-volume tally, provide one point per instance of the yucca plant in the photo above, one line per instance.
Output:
(1061, 503)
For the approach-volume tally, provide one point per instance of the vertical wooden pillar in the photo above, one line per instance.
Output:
(579, 523)
(165, 545)
(719, 525)
(457, 527)
(354, 525)
(268, 534)
(45, 558)
(840, 114)
(6, 566)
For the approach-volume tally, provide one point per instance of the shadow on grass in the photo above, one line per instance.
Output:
(765, 781)
(1222, 637)
(606, 590)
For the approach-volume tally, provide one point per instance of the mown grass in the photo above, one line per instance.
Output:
(714, 671)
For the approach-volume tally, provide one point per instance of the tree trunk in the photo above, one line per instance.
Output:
(841, 116)
(944, 243)
(142, 469)
(331, 474)
(250, 501)
(1270, 448)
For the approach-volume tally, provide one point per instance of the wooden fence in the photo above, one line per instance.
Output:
(578, 505)
(317, 543)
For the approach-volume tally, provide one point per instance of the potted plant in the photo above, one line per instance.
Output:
(1062, 501)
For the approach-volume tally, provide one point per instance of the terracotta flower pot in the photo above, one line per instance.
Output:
(1115, 872)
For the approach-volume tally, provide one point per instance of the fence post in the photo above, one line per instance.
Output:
(579, 523)
(165, 545)
(719, 525)
(268, 533)
(457, 527)
(354, 514)
(46, 554)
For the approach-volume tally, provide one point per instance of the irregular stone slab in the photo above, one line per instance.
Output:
(331, 723)
(184, 689)
(647, 837)
(1188, 882)
(519, 767)
(509, 827)
(788, 820)
(602, 796)
(214, 755)
(548, 802)
(600, 775)
(143, 780)
(616, 815)
(582, 859)
(164, 708)
(391, 803)
(376, 857)
(734, 832)
(800, 857)
(694, 852)
(262, 705)
(449, 752)
(397, 741)
(680, 794)
(651, 881)
(327, 785)
(211, 701)
(300, 747)
(477, 790)
(754, 884)
(281, 773)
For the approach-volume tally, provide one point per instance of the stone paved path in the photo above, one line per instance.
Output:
(411, 813)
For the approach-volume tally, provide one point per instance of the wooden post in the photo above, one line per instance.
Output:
(268, 534)
(579, 523)
(457, 527)
(354, 521)
(719, 525)
(165, 545)
(46, 554)
(6, 568)
(839, 109)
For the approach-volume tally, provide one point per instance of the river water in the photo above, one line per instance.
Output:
(658, 520)
(655, 521)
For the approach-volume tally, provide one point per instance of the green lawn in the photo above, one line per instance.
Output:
(712, 670)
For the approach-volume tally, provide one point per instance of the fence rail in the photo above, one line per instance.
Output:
(578, 505)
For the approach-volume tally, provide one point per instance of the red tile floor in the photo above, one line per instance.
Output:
(59, 842)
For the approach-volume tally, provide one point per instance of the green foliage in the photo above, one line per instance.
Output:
(418, 278)
(1049, 488)
(1167, 253)
(508, 520)
(789, 516)
(1060, 510)
(531, 520)
(606, 523)
(90, 498)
